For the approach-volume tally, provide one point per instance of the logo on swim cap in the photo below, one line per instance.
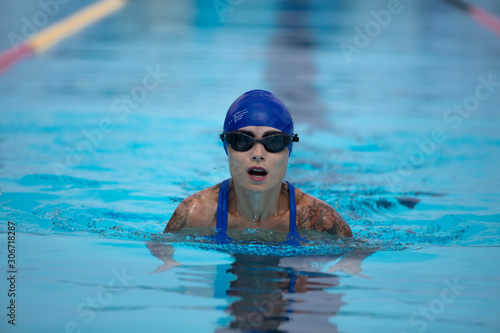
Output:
(238, 116)
(258, 108)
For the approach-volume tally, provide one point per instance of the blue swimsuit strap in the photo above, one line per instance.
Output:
(293, 208)
(222, 207)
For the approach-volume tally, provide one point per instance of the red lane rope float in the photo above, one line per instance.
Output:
(482, 16)
(55, 33)
(14, 54)
(486, 19)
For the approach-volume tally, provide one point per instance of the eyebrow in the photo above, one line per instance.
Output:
(270, 133)
(264, 135)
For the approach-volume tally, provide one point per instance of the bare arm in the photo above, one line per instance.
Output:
(350, 262)
(165, 253)
(180, 217)
(317, 215)
(196, 211)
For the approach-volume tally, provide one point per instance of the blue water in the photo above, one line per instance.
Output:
(93, 163)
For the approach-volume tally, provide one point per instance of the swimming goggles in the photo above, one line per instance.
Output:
(273, 143)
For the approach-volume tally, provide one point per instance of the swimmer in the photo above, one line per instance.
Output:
(258, 139)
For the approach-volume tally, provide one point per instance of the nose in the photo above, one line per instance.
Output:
(258, 152)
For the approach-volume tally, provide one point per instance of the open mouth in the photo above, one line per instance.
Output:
(257, 173)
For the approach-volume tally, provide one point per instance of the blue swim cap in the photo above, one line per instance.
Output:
(258, 108)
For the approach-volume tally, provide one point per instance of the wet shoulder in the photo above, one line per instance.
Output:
(207, 196)
(315, 214)
(196, 211)
(203, 207)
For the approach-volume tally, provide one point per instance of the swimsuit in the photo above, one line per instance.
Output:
(222, 207)
(293, 237)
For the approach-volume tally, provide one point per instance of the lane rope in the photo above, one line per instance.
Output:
(53, 34)
(480, 15)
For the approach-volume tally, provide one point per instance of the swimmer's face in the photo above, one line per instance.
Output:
(258, 169)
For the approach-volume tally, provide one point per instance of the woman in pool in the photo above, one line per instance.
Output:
(258, 138)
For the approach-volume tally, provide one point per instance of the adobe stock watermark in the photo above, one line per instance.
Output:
(421, 318)
(453, 117)
(120, 108)
(265, 309)
(223, 7)
(372, 28)
(39, 20)
(87, 309)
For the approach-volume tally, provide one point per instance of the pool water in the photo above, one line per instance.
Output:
(103, 135)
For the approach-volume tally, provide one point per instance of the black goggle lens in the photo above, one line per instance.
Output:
(273, 143)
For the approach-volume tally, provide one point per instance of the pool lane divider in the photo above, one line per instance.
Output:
(49, 36)
(482, 16)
